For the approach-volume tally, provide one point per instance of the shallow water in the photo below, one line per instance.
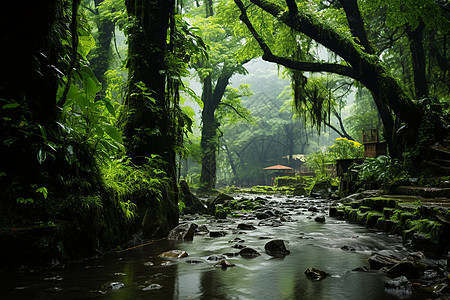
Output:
(311, 244)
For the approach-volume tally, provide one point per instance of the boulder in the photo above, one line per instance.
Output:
(192, 202)
(244, 226)
(216, 257)
(174, 254)
(276, 248)
(321, 189)
(217, 233)
(184, 231)
(224, 264)
(408, 268)
(264, 215)
(378, 261)
(320, 219)
(399, 284)
(202, 229)
(249, 253)
(315, 274)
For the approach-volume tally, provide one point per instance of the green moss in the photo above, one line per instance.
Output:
(372, 218)
(364, 208)
(379, 203)
(427, 227)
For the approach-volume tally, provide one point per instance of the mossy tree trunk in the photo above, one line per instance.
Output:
(211, 98)
(149, 128)
(100, 56)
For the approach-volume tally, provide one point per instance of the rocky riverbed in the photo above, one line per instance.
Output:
(287, 248)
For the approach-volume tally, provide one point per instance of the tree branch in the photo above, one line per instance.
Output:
(237, 112)
(293, 9)
(356, 24)
(289, 63)
(341, 124)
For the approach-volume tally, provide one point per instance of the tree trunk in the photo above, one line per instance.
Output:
(101, 55)
(415, 37)
(149, 127)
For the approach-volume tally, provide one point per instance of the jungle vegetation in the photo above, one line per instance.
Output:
(100, 116)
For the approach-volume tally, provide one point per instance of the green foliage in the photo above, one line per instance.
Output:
(380, 169)
(128, 181)
(342, 149)
(286, 180)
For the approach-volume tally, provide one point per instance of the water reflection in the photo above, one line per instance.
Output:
(311, 244)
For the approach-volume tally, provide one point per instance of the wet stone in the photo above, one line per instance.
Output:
(249, 253)
(315, 274)
(215, 257)
(348, 248)
(224, 264)
(244, 226)
(399, 284)
(153, 286)
(174, 254)
(183, 232)
(320, 219)
(236, 240)
(194, 261)
(238, 246)
(217, 233)
(276, 248)
(378, 261)
(116, 285)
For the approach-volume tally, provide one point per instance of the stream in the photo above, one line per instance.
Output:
(336, 247)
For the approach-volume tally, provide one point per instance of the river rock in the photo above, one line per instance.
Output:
(400, 284)
(263, 215)
(315, 274)
(276, 248)
(321, 189)
(244, 226)
(249, 253)
(272, 223)
(378, 261)
(236, 240)
(192, 202)
(202, 229)
(116, 285)
(183, 231)
(174, 254)
(408, 268)
(348, 248)
(320, 219)
(429, 276)
(217, 233)
(216, 257)
(153, 286)
(313, 209)
(224, 264)
(238, 246)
